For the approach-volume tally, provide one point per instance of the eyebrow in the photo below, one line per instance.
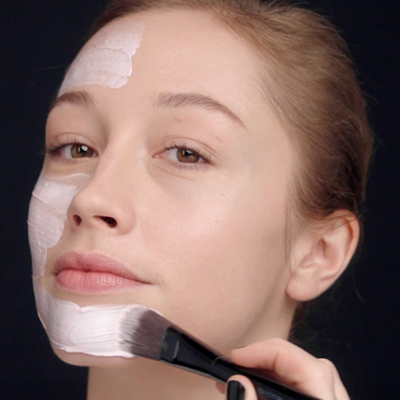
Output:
(181, 100)
(164, 100)
(78, 98)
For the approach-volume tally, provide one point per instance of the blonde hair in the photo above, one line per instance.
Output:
(311, 85)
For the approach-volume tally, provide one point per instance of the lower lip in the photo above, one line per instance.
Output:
(90, 281)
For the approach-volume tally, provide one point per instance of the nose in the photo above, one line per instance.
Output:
(105, 203)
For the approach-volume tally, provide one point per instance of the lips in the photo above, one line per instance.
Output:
(89, 273)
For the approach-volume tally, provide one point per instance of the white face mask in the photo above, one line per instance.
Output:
(47, 214)
(92, 330)
(106, 61)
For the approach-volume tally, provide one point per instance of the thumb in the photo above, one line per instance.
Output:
(240, 388)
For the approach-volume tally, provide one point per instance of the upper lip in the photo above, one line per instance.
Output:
(93, 263)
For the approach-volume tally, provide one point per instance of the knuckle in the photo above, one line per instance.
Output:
(328, 364)
(327, 370)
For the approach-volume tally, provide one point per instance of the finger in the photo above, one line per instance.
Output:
(340, 390)
(294, 367)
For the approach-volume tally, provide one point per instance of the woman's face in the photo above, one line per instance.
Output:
(184, 174)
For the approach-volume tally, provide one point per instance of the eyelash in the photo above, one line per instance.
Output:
(194, 149)
(59, 144)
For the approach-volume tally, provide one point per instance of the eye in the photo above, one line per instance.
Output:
(183, 154)
(73, 150)
(77, 151)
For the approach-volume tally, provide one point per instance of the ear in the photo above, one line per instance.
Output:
(320, 256)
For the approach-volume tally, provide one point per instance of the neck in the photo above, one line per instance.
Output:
(149, 380)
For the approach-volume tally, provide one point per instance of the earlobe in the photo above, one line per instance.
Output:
(322, 256)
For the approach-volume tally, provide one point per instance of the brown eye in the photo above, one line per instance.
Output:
(184, 154)
(76, 150)
(81, 150)
(187, 156)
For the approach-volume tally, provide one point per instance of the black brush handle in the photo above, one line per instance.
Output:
(182, 350)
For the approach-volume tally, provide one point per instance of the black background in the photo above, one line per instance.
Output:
(358, 331)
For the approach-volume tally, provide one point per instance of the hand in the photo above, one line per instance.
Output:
(290, 365)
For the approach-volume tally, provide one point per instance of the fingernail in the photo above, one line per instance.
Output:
(235, 391)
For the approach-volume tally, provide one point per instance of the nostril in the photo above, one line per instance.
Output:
(77, 219)
(111, 222)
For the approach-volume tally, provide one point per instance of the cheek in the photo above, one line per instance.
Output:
(47, 214)
(219, 228)
(220, 259)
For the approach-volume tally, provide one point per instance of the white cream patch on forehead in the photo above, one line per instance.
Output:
(47, 214)
(93, 330)
(106, 59)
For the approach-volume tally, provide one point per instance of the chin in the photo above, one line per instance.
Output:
(84, 360)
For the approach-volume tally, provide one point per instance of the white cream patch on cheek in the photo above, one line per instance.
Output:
(106, 60)
(93, 330)
(47, 214)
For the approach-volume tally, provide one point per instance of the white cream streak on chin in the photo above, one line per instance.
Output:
(105, 60)
(47, 214)
(93, 330)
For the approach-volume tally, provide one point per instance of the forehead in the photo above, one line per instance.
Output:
(182, 51)
(191, 34)
(191, 51)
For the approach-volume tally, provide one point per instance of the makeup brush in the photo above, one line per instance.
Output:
(146, 333)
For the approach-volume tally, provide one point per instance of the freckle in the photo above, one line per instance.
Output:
(178, 120)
